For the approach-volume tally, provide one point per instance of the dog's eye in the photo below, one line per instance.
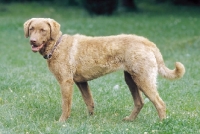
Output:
(42, 30)
(32, 28)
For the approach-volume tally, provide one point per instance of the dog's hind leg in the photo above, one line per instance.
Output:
(87, 96)
(137, 97)
(148, 86)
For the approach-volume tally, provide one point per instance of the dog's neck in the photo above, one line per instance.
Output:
(50, 46)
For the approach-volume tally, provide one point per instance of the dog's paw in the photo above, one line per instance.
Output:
(63, 118)
(127, 118)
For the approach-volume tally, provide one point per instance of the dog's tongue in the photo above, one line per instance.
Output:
(36, 48)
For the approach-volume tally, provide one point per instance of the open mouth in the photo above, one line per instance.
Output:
(36, 48)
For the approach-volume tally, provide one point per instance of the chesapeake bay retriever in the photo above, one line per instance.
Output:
(78, 59)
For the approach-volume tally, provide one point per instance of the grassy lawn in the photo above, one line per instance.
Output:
(30, 99)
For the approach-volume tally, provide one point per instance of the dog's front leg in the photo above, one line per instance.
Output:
(66, 92)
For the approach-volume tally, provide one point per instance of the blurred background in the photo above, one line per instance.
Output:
(107, 7)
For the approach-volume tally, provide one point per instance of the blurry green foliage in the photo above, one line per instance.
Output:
(106, 7)
(181, 2)
(100, 6)
(58, 2)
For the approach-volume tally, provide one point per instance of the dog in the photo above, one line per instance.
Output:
(78, 59)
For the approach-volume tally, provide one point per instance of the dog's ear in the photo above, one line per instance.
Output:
(26, 27)
(54, 28)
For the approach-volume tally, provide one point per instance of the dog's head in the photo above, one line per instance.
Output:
(40, 31)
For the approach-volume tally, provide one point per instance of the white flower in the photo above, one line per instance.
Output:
(116, 87)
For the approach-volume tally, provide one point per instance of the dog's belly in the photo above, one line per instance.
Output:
(86, 73)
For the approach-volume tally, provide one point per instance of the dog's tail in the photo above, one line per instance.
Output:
(178, 72)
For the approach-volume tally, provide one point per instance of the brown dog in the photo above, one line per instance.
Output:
(80, 58)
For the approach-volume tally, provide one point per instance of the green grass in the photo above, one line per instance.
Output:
(30, 96)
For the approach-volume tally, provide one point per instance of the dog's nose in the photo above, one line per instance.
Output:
(32, 41)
